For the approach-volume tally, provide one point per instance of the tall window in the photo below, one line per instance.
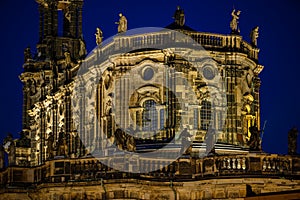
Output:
(205, 114)
(196, 118)
(220, 121)
(162, 119)
(149, 116)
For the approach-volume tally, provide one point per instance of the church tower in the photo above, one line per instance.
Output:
(60, 29)
(48, 71)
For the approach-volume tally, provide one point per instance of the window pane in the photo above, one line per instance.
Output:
(205, 114)
(149, 116)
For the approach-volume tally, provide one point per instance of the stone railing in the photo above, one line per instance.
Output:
(171, 39)
(185, 168)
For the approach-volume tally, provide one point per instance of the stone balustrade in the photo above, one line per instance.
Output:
(172, 39)
(185, 168)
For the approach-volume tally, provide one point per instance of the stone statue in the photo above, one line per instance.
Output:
(50, 141)
(65, 47)
(122, 24)
(24, 141)
(247, 117)
(123, 140)
(82, 51)
(99, 36)
(7, 142)
(185, 137)
(179, 16)
(210, 141)
(254, 142)
(10, 148)
(130, 144)
(120, 139)
(62, 145)
(67, 58)
(292, 141)
(234, 21)
(12, 154)
(27, 54)
(68, 15)
(254, 35)
(32, 86)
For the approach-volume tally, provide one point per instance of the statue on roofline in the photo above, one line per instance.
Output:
(27, 54)
(179, 16)
(234, 21)
(99, 36)
(186, 139)
(292, 141)
(254, 142)
(10, 148)
(24, 140)
(122, 24)
(254, 35)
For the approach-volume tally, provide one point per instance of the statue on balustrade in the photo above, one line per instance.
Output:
(130, 144)
(24, 141)
(254, 142)
(125, 141)
(67, 58)
(82, 49)
(50, 142)
(99, 36)
(254, 35)
(210, 141)
(27, 54)
(122, 24)
(186, 139)
(119, 138)
(179, 16)
(292, 141)
(234, 21)
(10, 148)
(62, 145)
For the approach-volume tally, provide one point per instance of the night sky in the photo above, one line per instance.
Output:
(279, 44)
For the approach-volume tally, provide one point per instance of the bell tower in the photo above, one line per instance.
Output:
(47, 75)
(60, 29)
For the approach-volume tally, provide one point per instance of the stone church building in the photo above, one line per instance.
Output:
(161, 113)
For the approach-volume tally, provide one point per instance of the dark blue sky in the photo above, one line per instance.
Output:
(279, 42)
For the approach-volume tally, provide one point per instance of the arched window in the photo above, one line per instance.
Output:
(205, 114)
(149, 116)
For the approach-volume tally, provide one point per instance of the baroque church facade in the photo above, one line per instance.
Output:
(164, 114)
